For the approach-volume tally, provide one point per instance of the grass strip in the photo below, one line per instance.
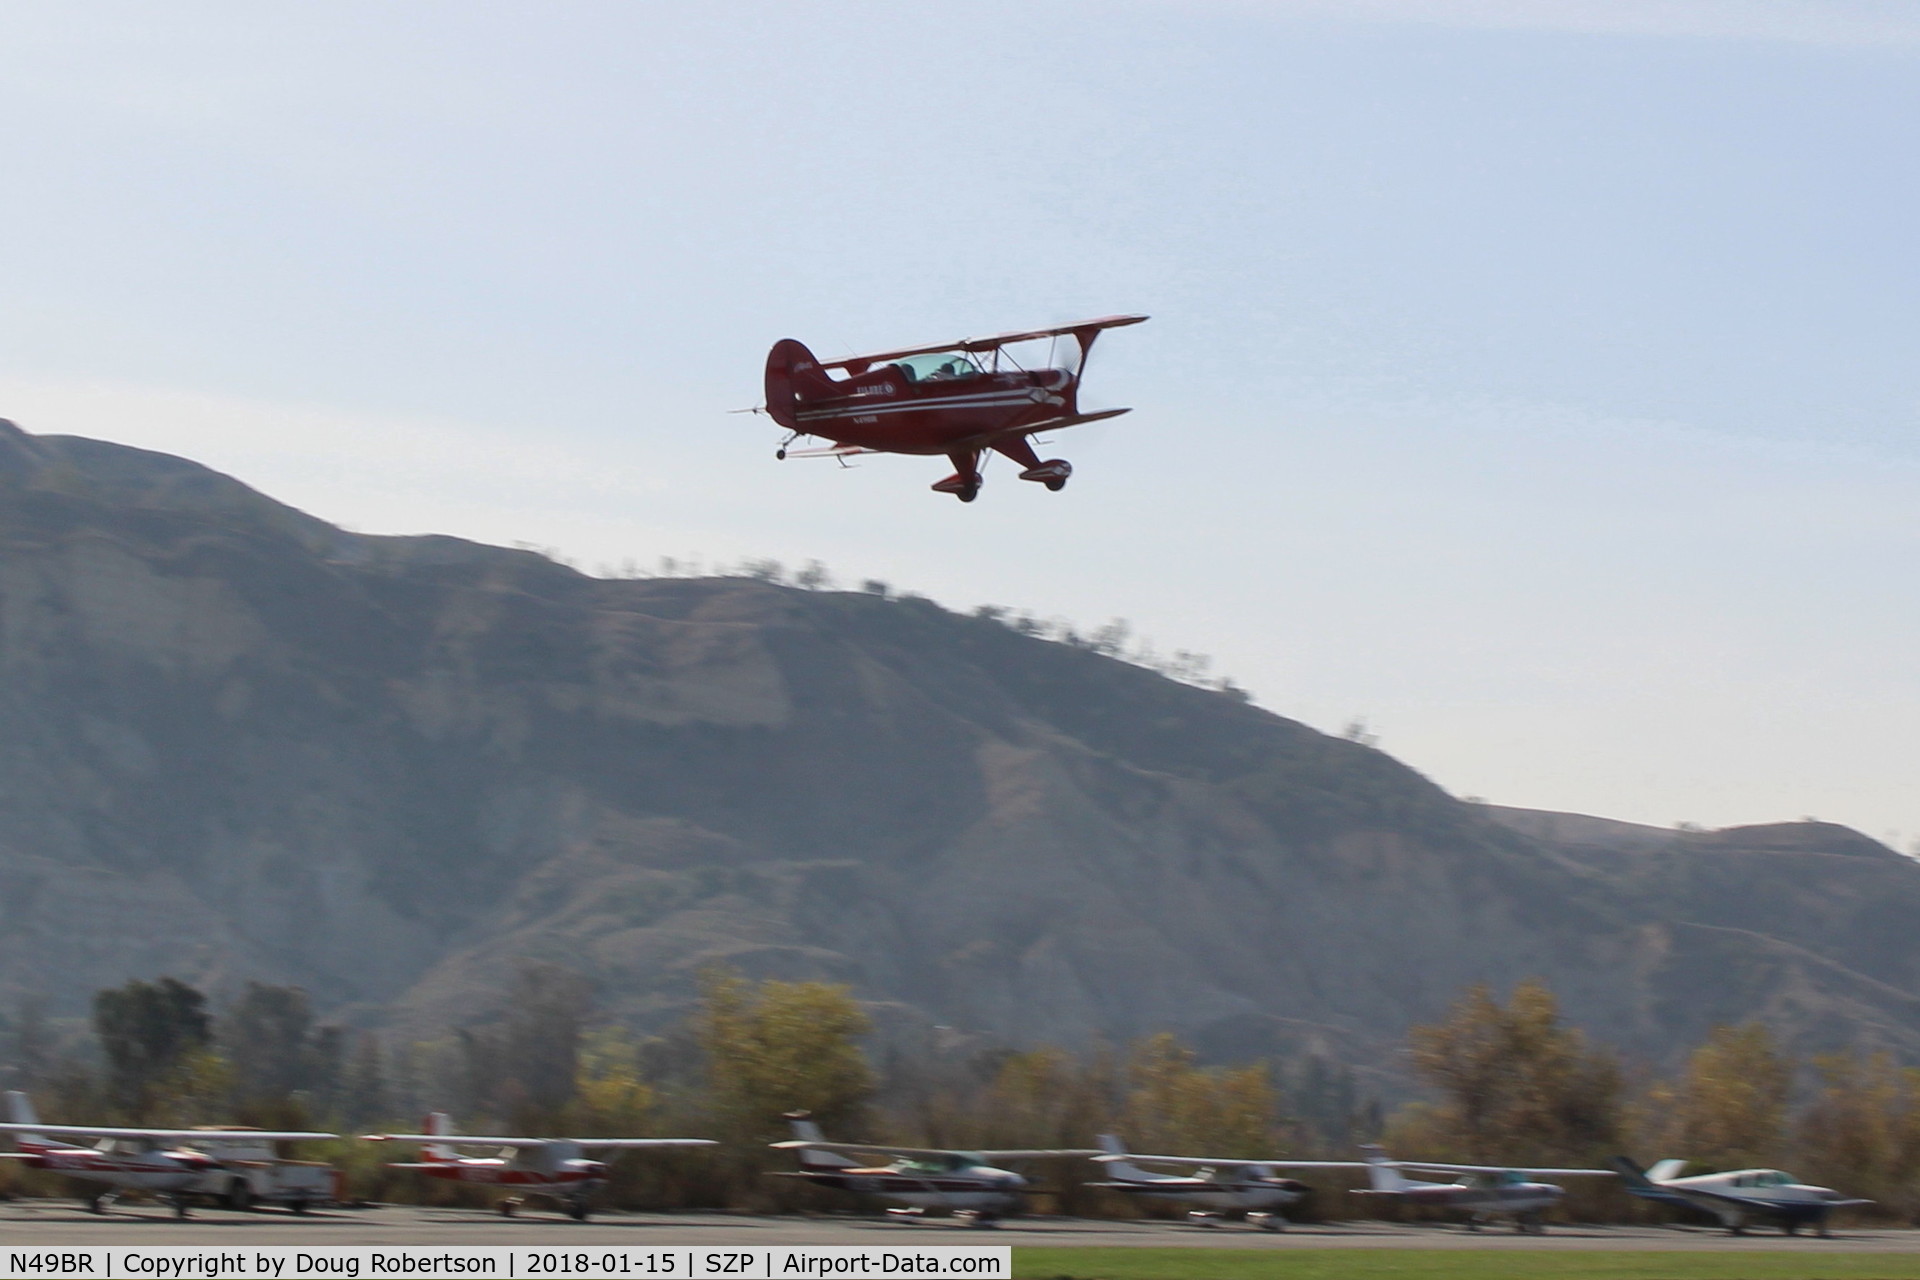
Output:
(1128, 1262)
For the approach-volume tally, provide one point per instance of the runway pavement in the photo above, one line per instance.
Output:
(54, 1222)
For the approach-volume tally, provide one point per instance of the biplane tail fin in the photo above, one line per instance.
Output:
(793, 375)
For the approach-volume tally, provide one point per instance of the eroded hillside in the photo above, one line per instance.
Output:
(236, 743)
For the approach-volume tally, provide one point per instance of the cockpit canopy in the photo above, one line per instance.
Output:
(1765, 1178)
(937, 366)
(935, 1164)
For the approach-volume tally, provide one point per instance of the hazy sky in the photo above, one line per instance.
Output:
(1536, 379)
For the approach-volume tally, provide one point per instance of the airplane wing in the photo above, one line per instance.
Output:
(983, 344)
(167, 1135)
(1419, 1167)
(1234, 1164)
(1701, 1197)
(918, 1153)
(626, 1143)
(455, 1139)
(831, 451)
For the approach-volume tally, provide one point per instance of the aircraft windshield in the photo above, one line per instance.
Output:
(933, 1164)
(937, 366)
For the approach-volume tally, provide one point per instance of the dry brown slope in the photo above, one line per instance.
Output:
(235, 742)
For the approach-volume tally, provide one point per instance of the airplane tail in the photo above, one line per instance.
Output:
(20, 1111)
(1124, 1170)
(439, 1123)
(807, 1131)
(1382, 1171)
(793, 376)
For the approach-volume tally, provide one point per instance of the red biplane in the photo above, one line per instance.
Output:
(957, 398)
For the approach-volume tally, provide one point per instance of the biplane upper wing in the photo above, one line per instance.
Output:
(984, 344)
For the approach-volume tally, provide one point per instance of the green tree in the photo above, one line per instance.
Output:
(276, 1050)
(1861, 1131)
(774, 1047)
(1729, 1109)
(1173, 1104)
(148, 1031)
(1516, 1084)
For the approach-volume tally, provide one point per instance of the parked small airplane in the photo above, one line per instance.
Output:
(126, 1159)
(1737, 1197)
(962, 399)
(919, 1178)
(1249, 1187)
(1482, 1192)
(555, 1169)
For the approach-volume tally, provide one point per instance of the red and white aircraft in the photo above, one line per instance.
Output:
(126, 1159)
(918, 1178)
(556, 1169)
(962, 399)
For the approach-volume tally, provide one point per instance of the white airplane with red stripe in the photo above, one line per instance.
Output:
(555, 1169)
(157, 1161)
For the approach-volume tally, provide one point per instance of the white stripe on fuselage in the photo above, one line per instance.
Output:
(1033, 396)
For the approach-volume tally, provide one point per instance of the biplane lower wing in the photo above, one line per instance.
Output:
(830, 451)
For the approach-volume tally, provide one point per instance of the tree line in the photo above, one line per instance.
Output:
(1506, 1083)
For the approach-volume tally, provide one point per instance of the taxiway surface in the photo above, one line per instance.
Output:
(47, 1222)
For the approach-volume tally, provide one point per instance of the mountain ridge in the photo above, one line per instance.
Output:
(239, 742)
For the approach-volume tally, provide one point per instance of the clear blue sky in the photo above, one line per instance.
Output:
(1535, 379)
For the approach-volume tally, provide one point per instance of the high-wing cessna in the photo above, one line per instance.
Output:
(153, 1160)
(1250, 1187)
(555, 1169)
(918, 1178)
(956, 398)
(1737, 1197)
(1482, 1192)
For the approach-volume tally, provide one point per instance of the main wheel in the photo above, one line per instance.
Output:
(95, 1204)
(239, 1195)
(969, 493)
(506, 1208)
(577, 1211)
(1057, 485)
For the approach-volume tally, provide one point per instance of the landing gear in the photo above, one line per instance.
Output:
(1052, 474)
(239, 1196)
(978, 1218)
(180, 1209)
(99, 1203)
(298, 1206)
(577, 1210)
(1267, 1221)
(1530, 1224)
(964, 487)
(509, 1206)
(1203, 1218)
